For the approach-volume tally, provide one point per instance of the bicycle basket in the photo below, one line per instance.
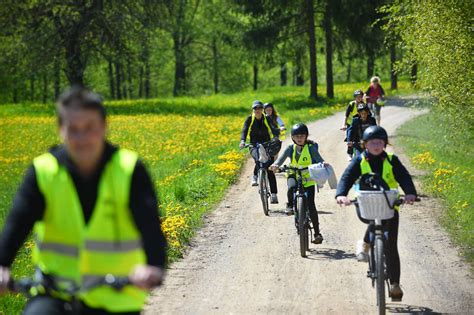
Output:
(274, 147)
(373, 204)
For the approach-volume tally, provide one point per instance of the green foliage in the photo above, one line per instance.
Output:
(438, 35)
(449, 164)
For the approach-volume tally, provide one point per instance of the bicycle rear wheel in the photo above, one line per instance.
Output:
(302, 227)
(380, 273)
(263, 189)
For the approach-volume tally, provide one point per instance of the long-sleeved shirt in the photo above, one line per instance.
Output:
(357, 127)
(353, 172)
(288, 153)
(29, 207)
(259, 131)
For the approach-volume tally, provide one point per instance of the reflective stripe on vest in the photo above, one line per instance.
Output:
(387, 171)
(270, 133)
(109, 243)
(304, 161)
(352, 113)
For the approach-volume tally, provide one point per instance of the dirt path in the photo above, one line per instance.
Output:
(242, 262)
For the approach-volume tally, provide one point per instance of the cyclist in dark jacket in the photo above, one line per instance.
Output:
(360, 122)
(258, 129)
(375, 160)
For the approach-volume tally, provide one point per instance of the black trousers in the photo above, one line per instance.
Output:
(391, 247)
(271, 178)
(47, 305)
(310, 194)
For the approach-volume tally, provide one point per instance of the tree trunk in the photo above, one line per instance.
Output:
(393, 73)
(328, 33)
(118, 81)
(45, 88)
(32, 88)
(299, 70)
(124, 83)
(349, 68)
(312, 49)
(57, 76)
(111, 80)
(255, 76)
(414, 72)
(129, 78)
(74, 64)
(370, 65)
(215, 57)
(140, 82)
(283, 74)
(15, 92)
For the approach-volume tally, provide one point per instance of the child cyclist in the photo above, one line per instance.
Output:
(388, 167)
(351, 111)
(360, 122)
(271, 113)
(374, 97)
(303, 152)
(258, 129)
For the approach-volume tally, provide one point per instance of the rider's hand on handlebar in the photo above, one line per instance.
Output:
(241, 145)
(5, 276)
(343, 200)
(343, 127)
(147, 277)
(409, 199)
(274, 167)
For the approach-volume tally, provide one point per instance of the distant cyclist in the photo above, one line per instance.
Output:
(351, 111)
(303, 152)
(388, 167)
(360, 122)
(375, 97)
(259, 129)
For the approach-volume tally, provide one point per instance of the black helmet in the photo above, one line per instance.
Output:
(266, 105)
(299, 129)
(358, 92)
(363, 106)
(375, 132)
(256, 104)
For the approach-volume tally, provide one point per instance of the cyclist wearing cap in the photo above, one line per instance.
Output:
(303, 152)
(375, 97)
(258, 129)
(360, 122)
(351, 111)
(388, 167)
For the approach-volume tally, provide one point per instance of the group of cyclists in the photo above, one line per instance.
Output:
(366, 142)
(92, 205)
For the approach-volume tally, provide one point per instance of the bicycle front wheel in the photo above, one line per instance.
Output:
(380, 274)
(302, 227)
(263, 189)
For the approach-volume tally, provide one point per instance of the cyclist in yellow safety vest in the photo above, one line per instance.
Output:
(351, 112)
(303, 152)
(93, 210)
(388, 167)
(260, 129)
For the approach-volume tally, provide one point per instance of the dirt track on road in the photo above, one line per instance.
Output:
(242, 262)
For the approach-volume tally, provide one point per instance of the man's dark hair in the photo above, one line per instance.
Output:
(79, 98)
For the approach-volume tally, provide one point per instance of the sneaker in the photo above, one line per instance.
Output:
(318, 239)
(396, 292)
(289, 209)
(349, 157)
(254, 181)
(274, 198)
(362, 251)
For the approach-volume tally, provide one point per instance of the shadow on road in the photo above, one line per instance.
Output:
(409, 309)
(329, 253)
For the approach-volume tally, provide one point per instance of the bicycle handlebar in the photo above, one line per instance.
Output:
(398, 202)
(246, 145)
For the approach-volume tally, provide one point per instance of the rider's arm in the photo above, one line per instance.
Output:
(280, 122)
(403, 177)
(382, 92)
(275, 130)
(315, 156)
(286, 154)
(28, 207)
(352, 130)
(245, 129)
(349, 177)
(144, 208)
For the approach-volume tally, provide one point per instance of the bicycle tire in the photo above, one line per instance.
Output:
(380, 273)
(263, 189)
(302, 227)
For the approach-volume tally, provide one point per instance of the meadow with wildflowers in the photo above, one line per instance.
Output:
(447, 156)
(190, 146)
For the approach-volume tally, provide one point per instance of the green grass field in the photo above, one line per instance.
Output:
(190, 146)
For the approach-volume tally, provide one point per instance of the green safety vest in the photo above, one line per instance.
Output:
(352, 113)
(387, 171)
(68, 249)
(304, 161)
(270, 133)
